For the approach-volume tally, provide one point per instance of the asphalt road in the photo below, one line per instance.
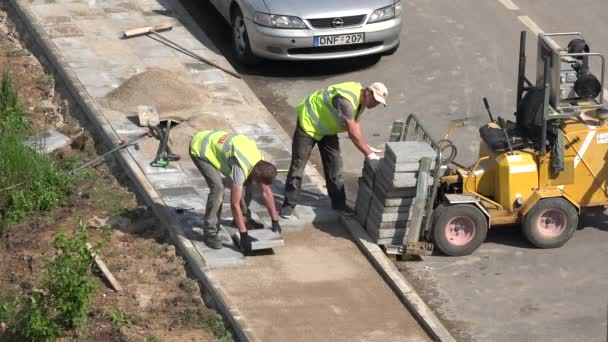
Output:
(452, 54)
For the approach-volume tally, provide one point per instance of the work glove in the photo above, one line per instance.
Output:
(372, 156)
(245, 243)
(276, 227)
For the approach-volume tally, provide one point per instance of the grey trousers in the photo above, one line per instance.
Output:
(215, 200)
(301, 148)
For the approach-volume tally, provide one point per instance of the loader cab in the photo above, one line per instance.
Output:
(569, 81)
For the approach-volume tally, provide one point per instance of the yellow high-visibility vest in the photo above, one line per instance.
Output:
(217, 147)
(317, 115)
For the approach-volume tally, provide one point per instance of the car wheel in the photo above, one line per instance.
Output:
(459, 229)
(240, 39)
(550, 223)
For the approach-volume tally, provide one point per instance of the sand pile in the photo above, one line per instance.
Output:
(157, 87)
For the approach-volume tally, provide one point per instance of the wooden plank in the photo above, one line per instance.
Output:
(104, 270)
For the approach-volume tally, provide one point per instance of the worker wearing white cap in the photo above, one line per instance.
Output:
(321, 116)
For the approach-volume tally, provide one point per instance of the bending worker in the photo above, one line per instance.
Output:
(324, 114)
(217, 153)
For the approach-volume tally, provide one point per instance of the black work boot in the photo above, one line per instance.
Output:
(212, 241)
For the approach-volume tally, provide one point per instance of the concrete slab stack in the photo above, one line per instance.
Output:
(387, 190)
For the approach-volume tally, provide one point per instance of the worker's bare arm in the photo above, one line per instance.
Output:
(356, 136)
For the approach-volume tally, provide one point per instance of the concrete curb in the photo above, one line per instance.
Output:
(400, 286)
(216, 298)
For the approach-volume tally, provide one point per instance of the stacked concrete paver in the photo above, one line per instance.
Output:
(387, 191)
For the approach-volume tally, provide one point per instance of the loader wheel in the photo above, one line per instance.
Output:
(550, 223)
(459, 229)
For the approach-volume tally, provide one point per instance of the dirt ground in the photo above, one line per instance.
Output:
(159, 301)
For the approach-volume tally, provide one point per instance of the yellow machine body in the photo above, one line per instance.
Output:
(509, 184)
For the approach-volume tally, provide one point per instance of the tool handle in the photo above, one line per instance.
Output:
(485, 102)
(146, 30)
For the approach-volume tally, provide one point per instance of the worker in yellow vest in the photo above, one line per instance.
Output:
(321, 116)
(219, 153)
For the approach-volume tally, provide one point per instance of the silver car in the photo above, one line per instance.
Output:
(311, 29)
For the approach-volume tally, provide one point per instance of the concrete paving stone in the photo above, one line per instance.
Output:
(83, 11)
(389, 174)
(404, 167)
(363, 203)
(386, 233)
(96, 78)
(395, 240)
(229, 256)
(170, 193)
(121, 7)
(98, 92)
(262, 239)
(389, 189)
(258, 129)
(68, 29)
(401, 152)
(397, 202)
(82, 55)
(168, 181)
(189, 43)
(155, 51)
(197, 66)
(44, 11)
(186, 58)
(209, 76)
(66, 43)
(377, 224)
(376, 204)
(179, 32)
(168, 63)
(47, 141)
(376, 216)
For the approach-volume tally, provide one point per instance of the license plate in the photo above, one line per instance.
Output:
(342, 39)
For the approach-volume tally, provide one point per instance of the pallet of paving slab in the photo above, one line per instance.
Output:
(403, 167)
(376, 233)
(405, 152)
(376, 204)
(364, 196)
(377, 216)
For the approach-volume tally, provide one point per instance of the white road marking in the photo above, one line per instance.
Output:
(581, 152)
(529, 23)
(510, 5)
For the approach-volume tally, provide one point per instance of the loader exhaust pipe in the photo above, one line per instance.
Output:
(521, 71)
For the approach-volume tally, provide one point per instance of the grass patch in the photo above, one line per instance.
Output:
(66, 292)
(30, 181)
(205, 319)
(117, 317)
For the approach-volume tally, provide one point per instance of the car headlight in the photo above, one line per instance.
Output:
(278, 21)
(385, 13)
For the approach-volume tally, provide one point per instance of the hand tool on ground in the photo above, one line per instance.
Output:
(153, 30)
(164, 153)
(122, 145)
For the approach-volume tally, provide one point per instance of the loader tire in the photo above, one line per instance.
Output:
(550, 223)
(459, 229)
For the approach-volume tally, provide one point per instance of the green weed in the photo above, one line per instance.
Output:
(30, 181)
(153, 338)
(63, 302)
(68, 277)
(205, 319)
(117, 317)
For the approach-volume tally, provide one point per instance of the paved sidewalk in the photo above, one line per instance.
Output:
(111, 76)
